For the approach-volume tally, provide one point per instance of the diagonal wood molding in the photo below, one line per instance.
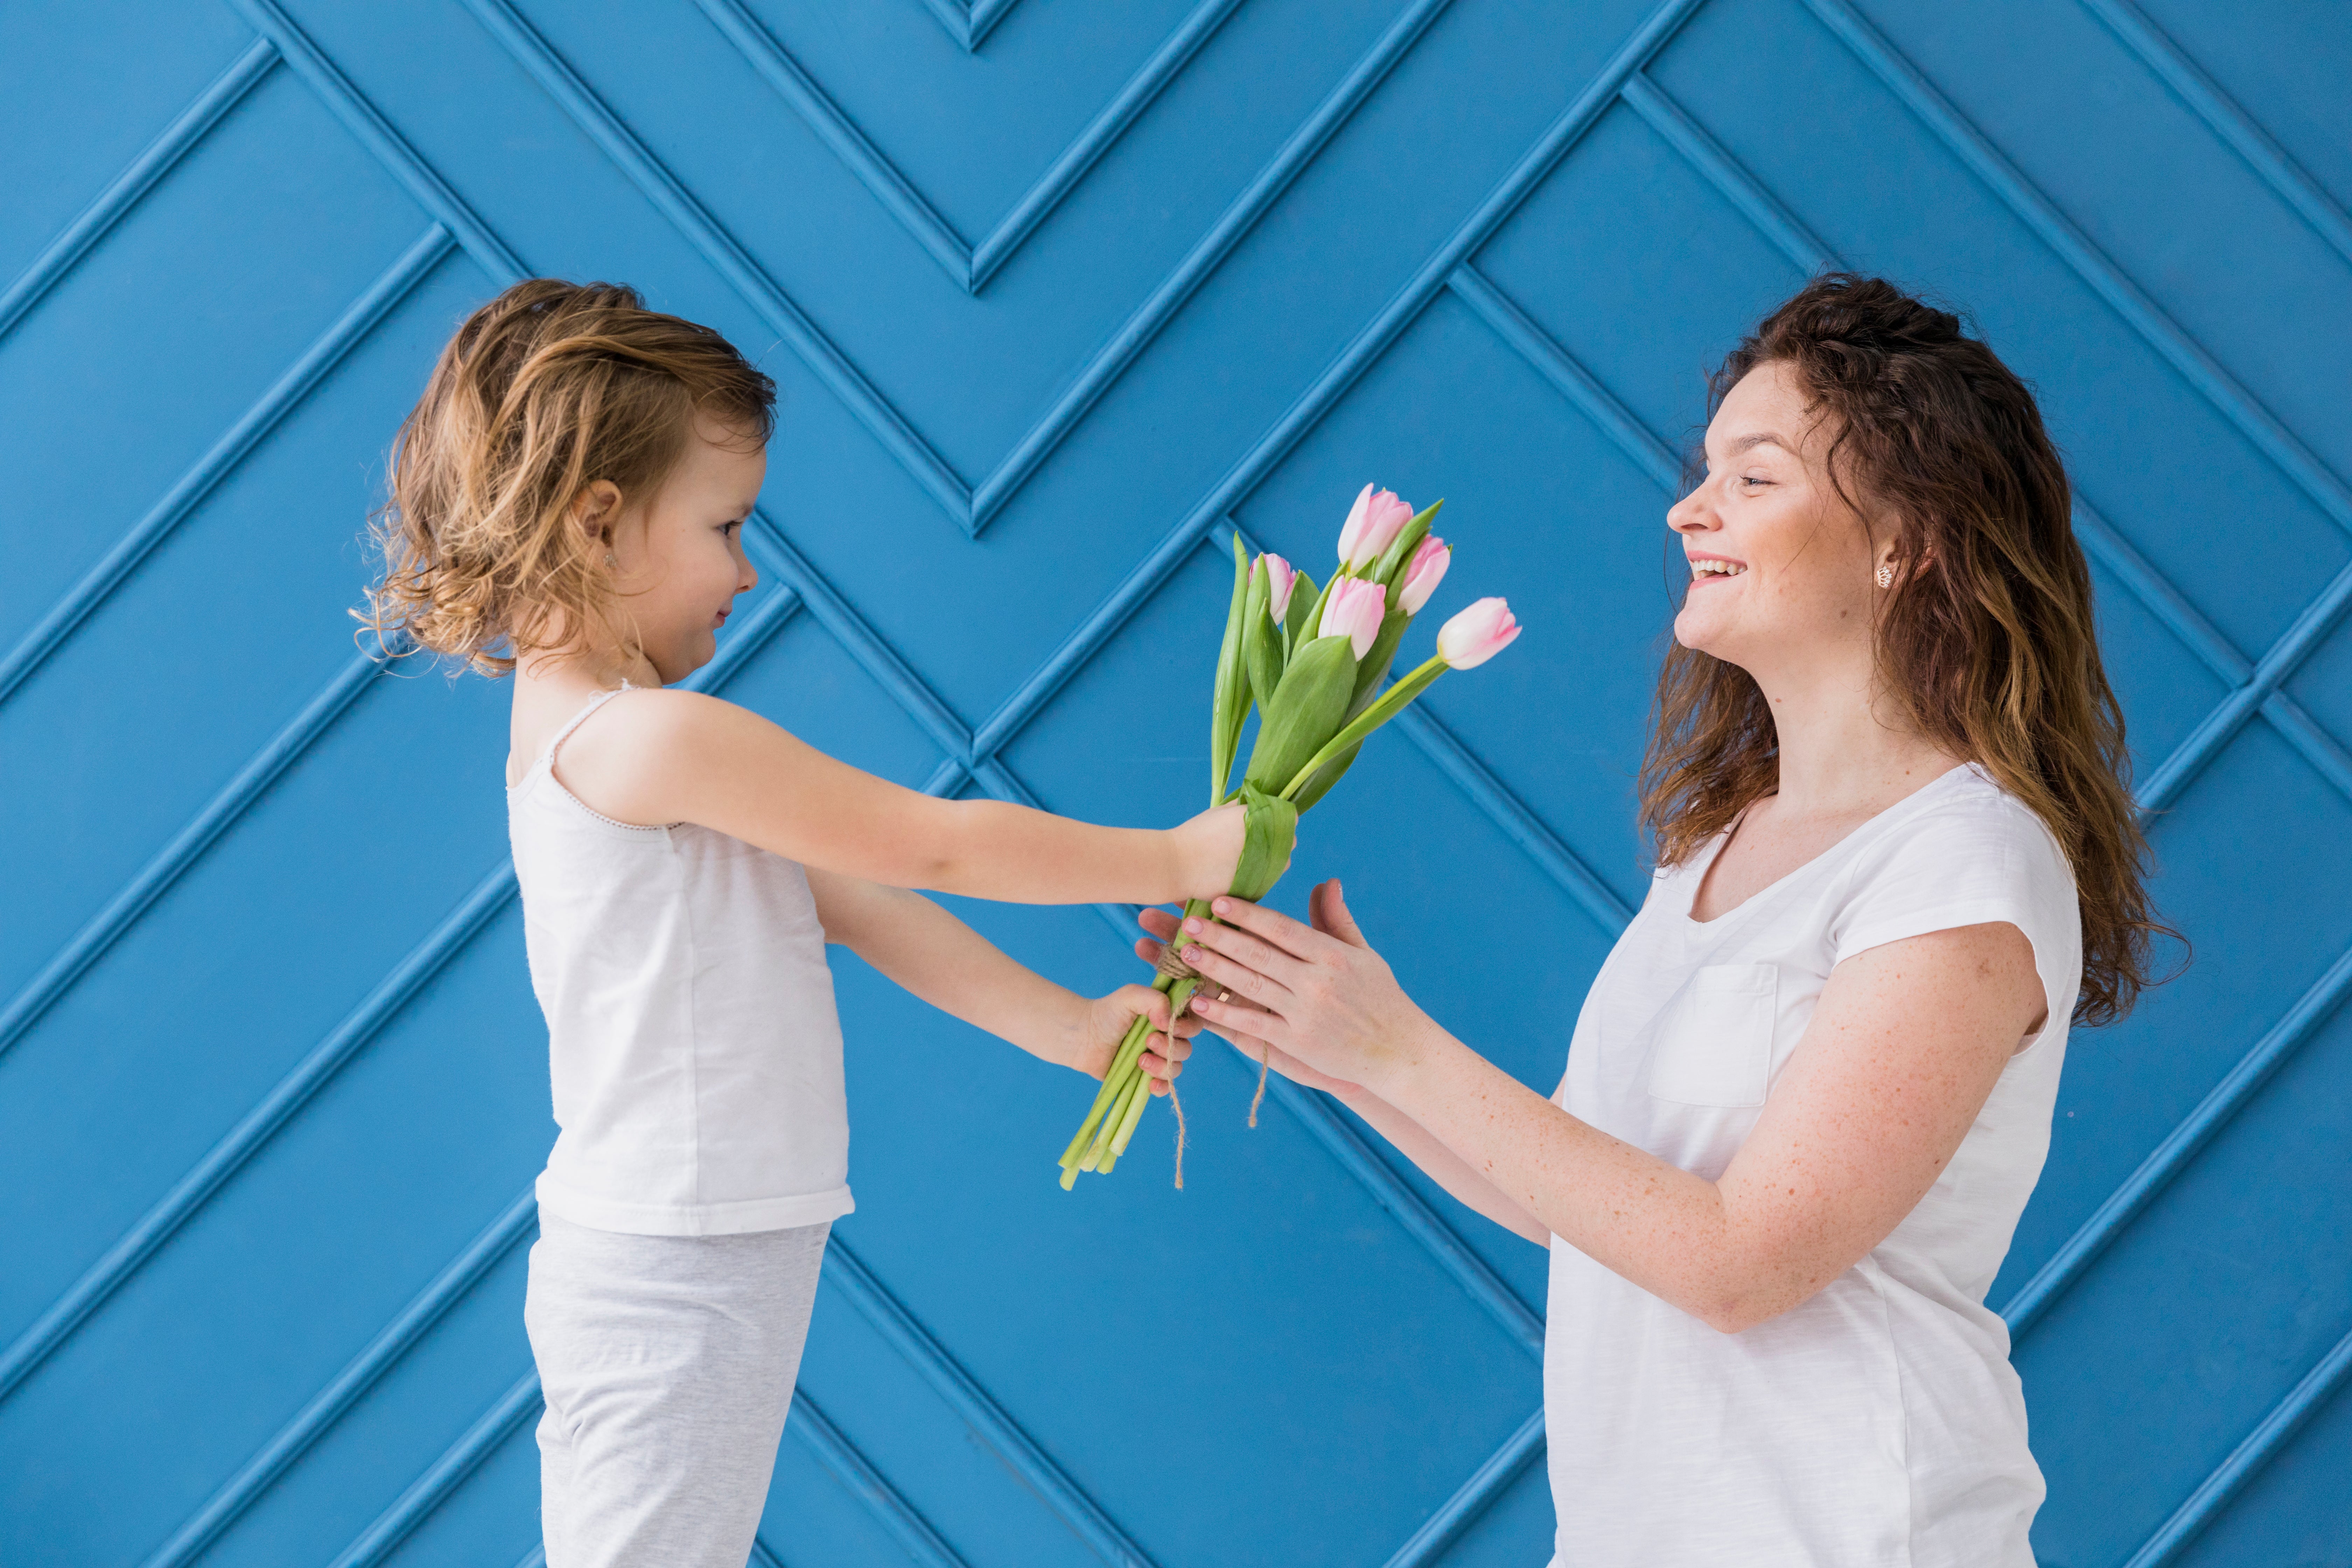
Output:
(971, 266)
(969, 755)
(175, 142)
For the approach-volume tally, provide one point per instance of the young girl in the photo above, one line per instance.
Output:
(567, 504)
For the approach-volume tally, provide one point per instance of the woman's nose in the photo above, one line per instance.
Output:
(1691, 514)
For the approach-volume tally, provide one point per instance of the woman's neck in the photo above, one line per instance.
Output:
(1846, 747)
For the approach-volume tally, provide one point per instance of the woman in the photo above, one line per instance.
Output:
(1811, 1088)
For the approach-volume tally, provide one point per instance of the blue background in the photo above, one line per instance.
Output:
(1057, 294)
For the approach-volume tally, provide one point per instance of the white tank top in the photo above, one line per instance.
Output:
(693, 1045)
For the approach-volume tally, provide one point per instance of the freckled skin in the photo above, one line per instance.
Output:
(1906, 1040)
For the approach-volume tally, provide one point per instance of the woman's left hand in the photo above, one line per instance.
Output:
(1317, 992)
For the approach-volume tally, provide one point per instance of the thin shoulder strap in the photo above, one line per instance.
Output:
(547, 753)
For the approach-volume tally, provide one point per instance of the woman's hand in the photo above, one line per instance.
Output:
(1162, 925)
(1208, 850)
(1104, 1026)
(1318, 993)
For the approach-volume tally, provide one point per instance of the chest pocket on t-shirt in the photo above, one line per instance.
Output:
(1714, 1044)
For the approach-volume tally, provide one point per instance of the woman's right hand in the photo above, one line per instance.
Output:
(1208, 850)
(1162, 925)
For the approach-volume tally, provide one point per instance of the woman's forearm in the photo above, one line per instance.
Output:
(1663, 1228)
(1443, 1166)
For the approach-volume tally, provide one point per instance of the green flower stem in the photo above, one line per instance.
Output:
(1100, 1153)
(1112, 1081)
(1392, 701)
(1135, 1108)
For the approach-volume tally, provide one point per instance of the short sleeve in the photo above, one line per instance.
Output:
(1978, 860)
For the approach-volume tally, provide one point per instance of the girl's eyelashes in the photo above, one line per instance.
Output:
(1754, 480)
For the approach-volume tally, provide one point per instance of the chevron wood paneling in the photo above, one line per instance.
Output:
(1060, 298)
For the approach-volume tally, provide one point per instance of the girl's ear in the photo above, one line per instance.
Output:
(596, 507)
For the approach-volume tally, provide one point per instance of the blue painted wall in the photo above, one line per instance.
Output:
(1057, 293)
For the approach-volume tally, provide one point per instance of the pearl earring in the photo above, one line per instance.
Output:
(609, 562)
(1886, 574)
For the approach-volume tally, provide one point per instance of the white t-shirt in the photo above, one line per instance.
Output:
(1878, 1425)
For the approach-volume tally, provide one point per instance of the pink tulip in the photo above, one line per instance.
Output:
(1422, 573)
(1373, 525)
(1354, 611)
(1476, 635)
(1281, 576)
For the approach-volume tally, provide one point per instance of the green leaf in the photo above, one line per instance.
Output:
(1229, 704)
(1391, 702)
(1262, 651)
(1330, 773)
(1297, 615)
(1302, 626)
(1308, 707)
(1373, 668)
(1271, 828)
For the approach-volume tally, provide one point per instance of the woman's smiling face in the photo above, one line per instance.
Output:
(1781, 565)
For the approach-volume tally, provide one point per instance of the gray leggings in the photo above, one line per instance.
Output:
(667, 1363)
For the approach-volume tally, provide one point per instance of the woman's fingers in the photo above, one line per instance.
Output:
(1264, 957)
(1253, 984)
(1329, 912)
(1242, 1025)
(1277, 929)
(1158, 922)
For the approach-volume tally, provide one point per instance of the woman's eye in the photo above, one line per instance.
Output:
(1754, 480)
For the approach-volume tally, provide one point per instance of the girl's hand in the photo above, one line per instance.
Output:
(1104, 1024)
(1208, 850)
(1319, 994)
(1162, 925)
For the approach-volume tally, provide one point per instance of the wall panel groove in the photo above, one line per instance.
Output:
(1353, 208)
(123, 193)
(287, 394)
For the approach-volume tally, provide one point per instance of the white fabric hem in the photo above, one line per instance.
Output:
(738, 1218)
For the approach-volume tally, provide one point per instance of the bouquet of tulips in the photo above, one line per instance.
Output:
(1312, 664)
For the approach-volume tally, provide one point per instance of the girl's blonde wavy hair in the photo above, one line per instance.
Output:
(544, 391)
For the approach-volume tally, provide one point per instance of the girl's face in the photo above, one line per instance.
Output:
(678, 559)
(1782, 567)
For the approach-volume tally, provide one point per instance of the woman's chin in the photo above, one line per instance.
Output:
(1698, 631)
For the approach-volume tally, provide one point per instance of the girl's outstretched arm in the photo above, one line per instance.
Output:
(679, 756)
(930, 953)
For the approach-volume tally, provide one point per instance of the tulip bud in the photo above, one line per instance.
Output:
(1282, 578)
(1423, 575)
(1476, 635)
(1372, 522)
(1354, 610)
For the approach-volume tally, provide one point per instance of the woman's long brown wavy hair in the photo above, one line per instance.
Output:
(1986, 641)
(542, 392)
